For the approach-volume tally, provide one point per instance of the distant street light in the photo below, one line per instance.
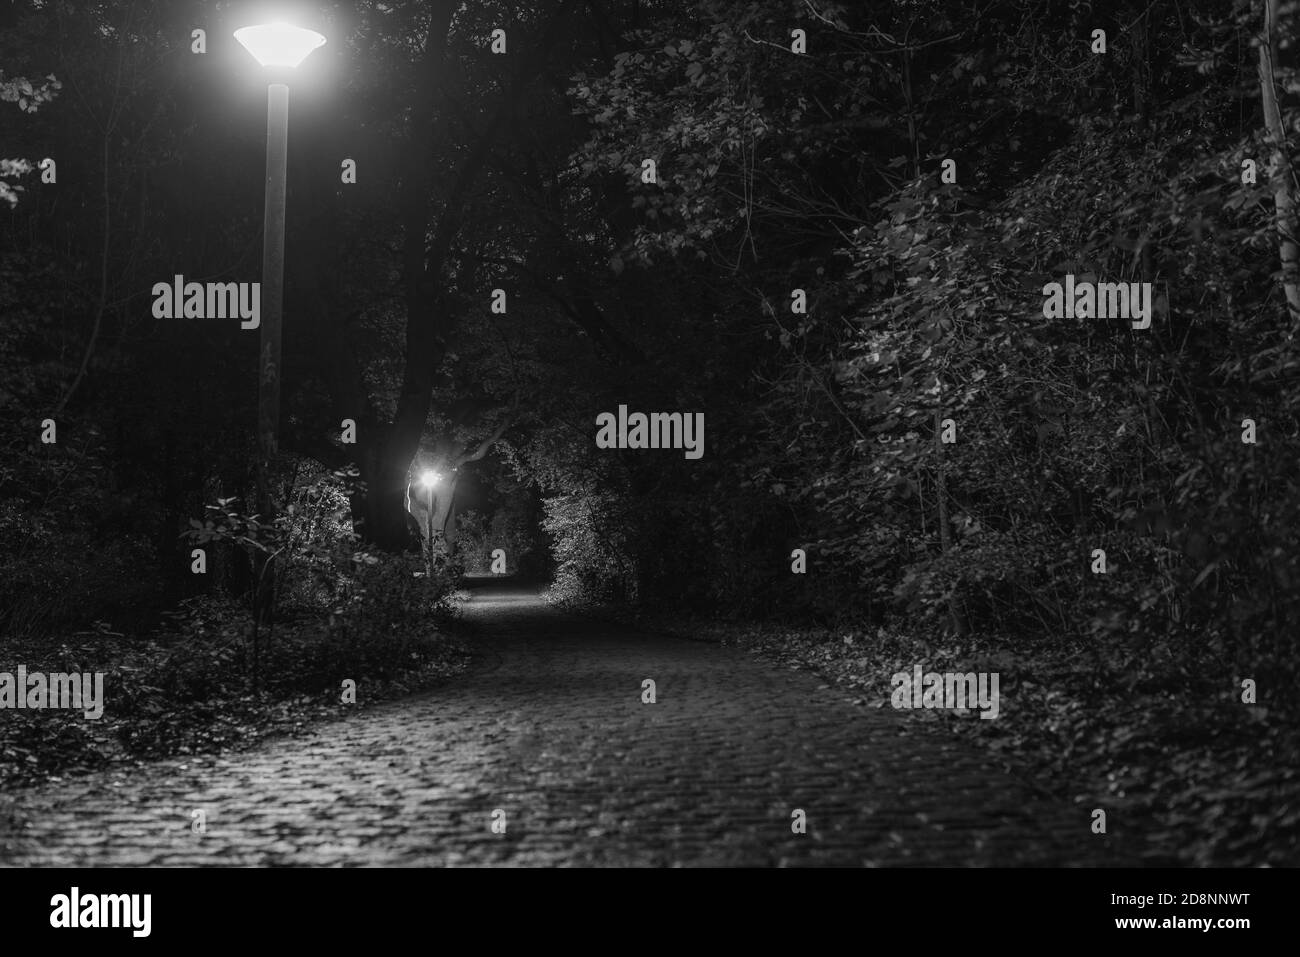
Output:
(275, 45)
(429, 479)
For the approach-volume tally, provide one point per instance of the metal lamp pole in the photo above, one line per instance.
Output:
(268, 382)
(429, 481)
(276, 45)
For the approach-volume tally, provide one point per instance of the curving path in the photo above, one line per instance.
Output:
(550, 728)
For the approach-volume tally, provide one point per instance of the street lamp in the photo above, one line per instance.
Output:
(276, 45)
(429, 479)
(279, 44)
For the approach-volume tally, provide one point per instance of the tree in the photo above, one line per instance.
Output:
(387, 446)
(1280, 171)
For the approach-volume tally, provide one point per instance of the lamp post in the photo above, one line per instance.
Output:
(429, 480)
(278, 46)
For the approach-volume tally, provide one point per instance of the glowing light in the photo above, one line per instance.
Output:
(429, 478)
(279, 44)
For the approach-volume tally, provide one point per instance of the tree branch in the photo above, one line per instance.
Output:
(487, 443)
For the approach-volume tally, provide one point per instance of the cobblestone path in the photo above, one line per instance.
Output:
(549, 727)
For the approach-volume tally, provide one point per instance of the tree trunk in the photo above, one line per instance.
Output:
(385, 452)
(449, 529)
(911, 115)
(1279, 165)
(379, 510)
(385, 506)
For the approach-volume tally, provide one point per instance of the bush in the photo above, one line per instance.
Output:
(593, 557)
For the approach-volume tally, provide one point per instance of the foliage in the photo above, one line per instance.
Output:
(590, 548)
(1071, 435)
(478, 536)
(194, 687)
(28, 97)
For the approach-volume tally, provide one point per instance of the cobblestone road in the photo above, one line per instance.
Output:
(550, 728)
